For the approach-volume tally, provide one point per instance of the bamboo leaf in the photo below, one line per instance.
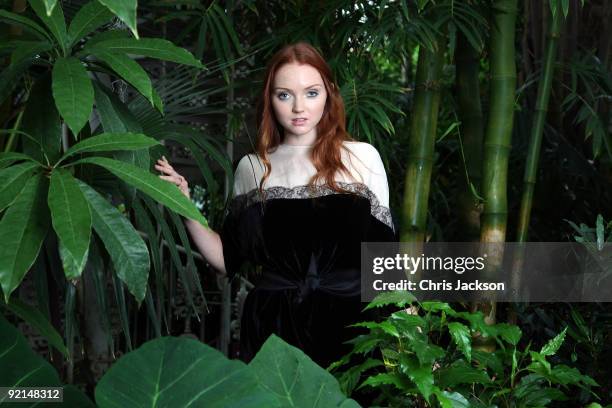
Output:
(54, 21)
(125, 10)
(108, 142)
(89, 17)
(73, 92)
(129, 70)
(71, 218)
(125, 247)
(149, 47)
(12, 181)
(22, 231)
(160, 190)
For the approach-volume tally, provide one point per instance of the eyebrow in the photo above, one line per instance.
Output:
(287, 89)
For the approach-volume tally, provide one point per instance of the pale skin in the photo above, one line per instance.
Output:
(298, 101)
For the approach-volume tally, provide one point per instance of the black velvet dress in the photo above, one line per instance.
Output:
(308, 244)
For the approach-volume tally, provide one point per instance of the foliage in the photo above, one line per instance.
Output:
(21, 367)
(181, 372)
(430, 356)
(70, 55)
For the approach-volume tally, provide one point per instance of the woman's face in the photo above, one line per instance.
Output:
(298, 101)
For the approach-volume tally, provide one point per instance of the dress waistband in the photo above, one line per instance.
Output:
(344, 282)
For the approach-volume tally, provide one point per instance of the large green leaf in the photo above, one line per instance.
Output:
(22, 367)
(12, 180)
(160, 190)
(87, 19)
(149, 47)
(117, 118)
(33, 316)
(128, 69)
(22, 231)
(114, 115)
(29, 25)
(71, 218)
(41, 120)
(180, 372)
(422, 376)
(28, 49)
(294, 378)
(108, 142)
(8, 158)
(122, 242)
(73, 92)
(55, 21)
(125, 10)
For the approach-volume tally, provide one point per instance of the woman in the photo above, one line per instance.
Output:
(301, 207)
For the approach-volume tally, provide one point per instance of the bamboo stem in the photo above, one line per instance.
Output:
(541, 109)
(470, 114)
(421, 144)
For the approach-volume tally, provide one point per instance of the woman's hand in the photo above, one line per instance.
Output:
(172, 176)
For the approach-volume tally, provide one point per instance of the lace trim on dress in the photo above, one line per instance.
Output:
(381, 213)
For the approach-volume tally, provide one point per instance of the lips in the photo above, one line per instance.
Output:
(299, 121)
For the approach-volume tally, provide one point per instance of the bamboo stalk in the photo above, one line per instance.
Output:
(499, 126)
(497, 145)
(541, 109)
(421, 144)
(470, 114)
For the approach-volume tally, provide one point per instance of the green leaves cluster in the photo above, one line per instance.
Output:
(74, 54)
(74, 208)
(182, 372)
(43, 190)
(430, 355)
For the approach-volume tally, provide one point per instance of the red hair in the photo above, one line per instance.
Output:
(331, 129)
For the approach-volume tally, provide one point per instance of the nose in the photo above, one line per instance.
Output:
(297, 105)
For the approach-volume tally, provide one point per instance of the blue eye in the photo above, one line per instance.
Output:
(280, 96)
(316, 93)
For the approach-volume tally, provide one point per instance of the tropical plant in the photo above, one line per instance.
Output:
(59, 169)
(429, 359)
(181, 372)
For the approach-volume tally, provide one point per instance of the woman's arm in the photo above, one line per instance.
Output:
(206, 240)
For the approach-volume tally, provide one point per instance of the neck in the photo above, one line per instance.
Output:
(308, 139)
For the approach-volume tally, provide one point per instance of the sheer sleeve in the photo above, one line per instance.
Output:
(234, 236)
(382, 228)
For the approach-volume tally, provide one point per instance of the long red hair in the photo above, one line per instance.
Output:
(331, 129)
